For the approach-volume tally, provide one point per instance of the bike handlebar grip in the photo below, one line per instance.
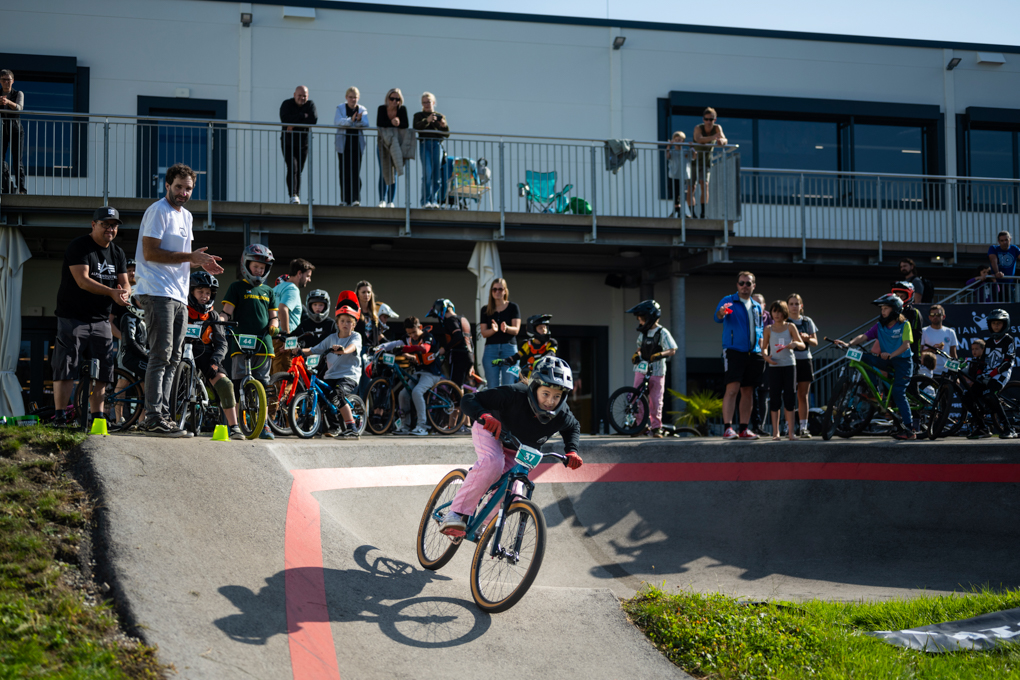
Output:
(229, 324)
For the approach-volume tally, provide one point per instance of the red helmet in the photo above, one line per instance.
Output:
(347, 303)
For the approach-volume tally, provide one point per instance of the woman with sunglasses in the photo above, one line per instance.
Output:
(395, 144)
(499, 325)
(706, 134)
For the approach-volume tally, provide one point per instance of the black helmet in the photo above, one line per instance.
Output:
(317, 295)
(534, 322)
(550, 371)
(256, 252)
(202, 279)
(999, 315)
(890, 300)
(650, 309)
(904, 287)
(439, 308)
(131, 263)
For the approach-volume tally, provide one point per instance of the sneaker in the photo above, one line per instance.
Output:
(390, 205)
(356, 204)
(804, 434)
(657, 433)
(1008, 435)
(730, 433)
(267, 433)
(905, 435)
(295, 199)
(978, 434)
(419, 431)
(350, 433)
(453, 524)
(747, 434)
(162, 428)
(235, 432)
(332, 432)
(382, 204)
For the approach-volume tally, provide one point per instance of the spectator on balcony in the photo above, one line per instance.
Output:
(350, 144)
(706, 135)
(1003, 260)
(12, 101)
(396, 144)
(297, 113)
(677, 170)
(985, 290)
(908, 272)
(432, 129)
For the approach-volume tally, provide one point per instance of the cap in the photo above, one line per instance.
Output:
(107, 213)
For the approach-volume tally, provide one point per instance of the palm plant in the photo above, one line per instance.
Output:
(702, 406)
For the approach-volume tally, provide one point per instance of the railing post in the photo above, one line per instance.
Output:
(209, 175)
(803, 219)
(878, 202)
(502, 194)
(684, 163)
(311, 180)
(594, 200)
(725, 195)
(106, 163)
(407, 200)
(951, 212)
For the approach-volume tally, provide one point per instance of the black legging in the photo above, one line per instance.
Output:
(460, 365)
(979, 397)
(783, 387)
(350, 172)
(295, 153)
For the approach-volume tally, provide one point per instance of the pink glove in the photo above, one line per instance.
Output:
(574, 461)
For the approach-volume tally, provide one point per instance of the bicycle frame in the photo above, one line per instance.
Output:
(880, 397)
(408, 383)
(300, 376)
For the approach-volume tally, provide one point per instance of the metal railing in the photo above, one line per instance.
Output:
(876, 208)
(127, 156)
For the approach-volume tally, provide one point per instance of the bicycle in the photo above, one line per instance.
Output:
(949, 413)
(130, 399)
(308, 408)
(859, 394)
(286, 385)
(190, 405)
(442, 401)
(501, 573)
(252, 403)
(628, 410)
(125, 404)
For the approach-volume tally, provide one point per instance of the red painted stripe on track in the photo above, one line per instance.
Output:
(312, 648)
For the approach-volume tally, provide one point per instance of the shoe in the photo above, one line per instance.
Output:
(390, 205)
(350, 433)
(804, 434)
(657, 433)
(1008, 435)
(453, 524)
(730, 433)
(978, 434)
(419, 431)
(382, 204)
(356, 204)
(332, 432)
(295, 199)
(747, 434)
(235, 433)
(162, 428)
(267, 433)
(905, 435)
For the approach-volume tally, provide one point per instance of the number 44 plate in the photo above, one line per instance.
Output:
(528, 457)
(953, 365)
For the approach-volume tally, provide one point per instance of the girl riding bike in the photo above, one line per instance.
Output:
(532, 412)
(894, 337)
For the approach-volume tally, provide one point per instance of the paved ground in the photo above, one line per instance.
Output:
(296, 558)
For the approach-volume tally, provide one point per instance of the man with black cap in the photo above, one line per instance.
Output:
(94, 276)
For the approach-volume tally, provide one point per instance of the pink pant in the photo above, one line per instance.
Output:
(655, 385)
(491, 464)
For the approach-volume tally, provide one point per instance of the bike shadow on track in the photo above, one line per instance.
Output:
(381, 591)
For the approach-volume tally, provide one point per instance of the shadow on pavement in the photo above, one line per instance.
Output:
(382, 591)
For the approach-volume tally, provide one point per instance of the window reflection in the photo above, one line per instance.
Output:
(802, 145)
(890, 149)
(991, 154)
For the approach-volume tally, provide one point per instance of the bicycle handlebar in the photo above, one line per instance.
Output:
(513, 442)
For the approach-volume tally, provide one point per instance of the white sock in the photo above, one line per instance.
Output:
(803, 424)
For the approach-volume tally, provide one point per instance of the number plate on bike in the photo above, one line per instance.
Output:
(515, 371)
(953, 365)
(312, 361)
(641, 367)
(388, 359)
(248, 341)
(528, 457)
(194, 330)
(290, 343)
(854, 354)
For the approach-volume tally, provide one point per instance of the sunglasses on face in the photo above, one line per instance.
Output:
(494, 290)
(743, 283)
(394, 99)
(708, 119)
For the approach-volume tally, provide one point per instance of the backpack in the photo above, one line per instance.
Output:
(929, 289)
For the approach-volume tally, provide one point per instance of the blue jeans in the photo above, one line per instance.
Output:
(494, 375)
(903, 368)
(431, 161)
(386, 191)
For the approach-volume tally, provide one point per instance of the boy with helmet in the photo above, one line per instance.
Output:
(540, 343)
(133, 349)
(654, 345)
(904, 290)
(210, 353)
(422, 343)
(316, 324)
(252, 304)
(894, 335)
(342, 350)
(455, 338)
(989, 373)
(532, 412)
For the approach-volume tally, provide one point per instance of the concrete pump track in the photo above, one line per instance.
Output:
(296, 559)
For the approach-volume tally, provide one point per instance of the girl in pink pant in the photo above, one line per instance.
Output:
(654, 345)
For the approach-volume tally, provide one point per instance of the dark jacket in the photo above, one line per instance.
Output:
(509, 404)
(310, 333)
(133, 337)
(437, 129)
(298, 116)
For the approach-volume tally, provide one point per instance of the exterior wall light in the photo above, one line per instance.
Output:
(246, 19)
(618, 41)
(953, 63)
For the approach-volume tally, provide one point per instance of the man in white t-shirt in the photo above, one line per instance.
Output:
(164, 261)
(937, 336)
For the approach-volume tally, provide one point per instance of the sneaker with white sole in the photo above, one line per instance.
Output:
(453, 524)
(382, 204)
(295, 199)
(390, 205)
(747, 434)
(356, 204)
(419, 431)
(163, 428)
(236, 433)
(730, 433)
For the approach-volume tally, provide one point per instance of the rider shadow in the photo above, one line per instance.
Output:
(354, 595)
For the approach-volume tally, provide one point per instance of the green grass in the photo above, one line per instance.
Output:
(711, 635)
(48, 628)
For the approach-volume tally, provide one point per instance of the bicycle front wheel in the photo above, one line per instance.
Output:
(123, 405)
(502, 572)
(949, 412)
(442, 405)
(252, 408)
(180, 393)
(434, 548)
(359, 412)
(381, 406)
(628, 412)
(305, 415)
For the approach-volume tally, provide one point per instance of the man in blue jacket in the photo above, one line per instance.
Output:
(741, 317)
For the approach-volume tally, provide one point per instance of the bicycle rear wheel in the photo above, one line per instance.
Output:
(1010, 396)
(359, 412)
(848, 413)
(252, 408)
(435, 549)
(80, 401)
(948, 418)
(499, 581)
(442, 406)
(180, 394)
(305, 415)
(279, 383)
(628, 413)
(129, 400)
(381, 406)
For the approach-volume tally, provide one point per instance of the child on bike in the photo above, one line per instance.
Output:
(210, 353)
(782, 338)
(987, 374)
(316, 324)
(894, 337)
(540, 343)
(423, 344)
(532, 412)
(252, 304)
(342, 350)
(654, 345)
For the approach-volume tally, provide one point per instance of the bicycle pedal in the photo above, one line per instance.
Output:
(456, 540)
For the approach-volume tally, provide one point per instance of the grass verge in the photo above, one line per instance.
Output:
(719, 637)
(53, 621)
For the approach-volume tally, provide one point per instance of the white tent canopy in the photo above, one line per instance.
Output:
(485, 265)
(14, 253)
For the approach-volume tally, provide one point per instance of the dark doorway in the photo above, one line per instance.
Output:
(586, 349)
(163, 142)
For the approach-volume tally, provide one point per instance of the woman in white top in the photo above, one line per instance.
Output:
(780, 340)
(805, 367)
